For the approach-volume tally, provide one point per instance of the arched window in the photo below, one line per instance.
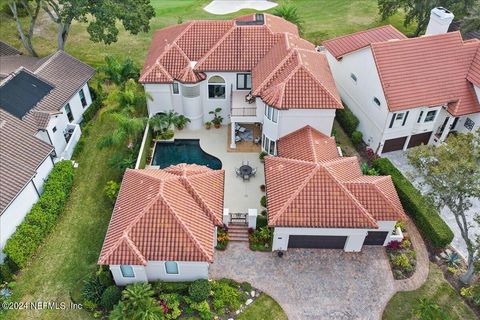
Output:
(216, 88)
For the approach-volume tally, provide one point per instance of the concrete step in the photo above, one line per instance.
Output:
(239, 238)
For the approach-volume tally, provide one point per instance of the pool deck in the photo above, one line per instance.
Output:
(239, 195)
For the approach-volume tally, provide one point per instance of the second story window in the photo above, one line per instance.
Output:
(175, 88)
(69, 113)
(430, 116)
(354, 77)
(82, 98)
(271, 113)
(216, 88)
(398, 119)
(420, 117)
(244, 81)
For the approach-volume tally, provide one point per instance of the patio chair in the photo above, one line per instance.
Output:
(237, 126)
(257, 140)
(237, 171)
(246, 177)
(238, 139)
(245, 163)
(254, 171)
(241, 129)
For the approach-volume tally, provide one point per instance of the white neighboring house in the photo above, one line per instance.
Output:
(318, 199)
(406, 92)
(41, 104)
(164, 224)
(255, 68)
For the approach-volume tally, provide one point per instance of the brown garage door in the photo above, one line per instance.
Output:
(394, 144)
(323, 242)
(418, 139)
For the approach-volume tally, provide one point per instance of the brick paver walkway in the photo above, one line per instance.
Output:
(314, 284)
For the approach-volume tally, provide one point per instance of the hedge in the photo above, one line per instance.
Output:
(42, 217)
(426, 217)
(347, 120)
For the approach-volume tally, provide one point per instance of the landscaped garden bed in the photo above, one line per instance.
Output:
(222, 238)
(402, 258)
(200, 299)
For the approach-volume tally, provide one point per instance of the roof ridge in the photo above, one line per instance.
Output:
(274, 71)
(134, 248)
(40, 68)
(361, 32)
(215, 46)
(185, 228)
(312, 145)
(297, 192)
(321, 84)
(392, 204)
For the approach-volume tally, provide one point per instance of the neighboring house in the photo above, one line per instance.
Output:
(318, 199)
(41, 104)
(404, 91)
(164, 224)
(195, 67)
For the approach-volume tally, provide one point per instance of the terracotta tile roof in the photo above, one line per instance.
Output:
(165, 214)
(345, 44)
(293, 75)
(310, 185)
(474, 70)
(307, 144)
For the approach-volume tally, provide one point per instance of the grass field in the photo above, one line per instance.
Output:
(322, 20)
(264, 308)
(438, 290)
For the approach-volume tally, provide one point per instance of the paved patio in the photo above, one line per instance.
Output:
(314, 283)
(230, 6)
(399, 159)
(239, 195)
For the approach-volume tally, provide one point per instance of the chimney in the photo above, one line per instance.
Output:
(440, 19)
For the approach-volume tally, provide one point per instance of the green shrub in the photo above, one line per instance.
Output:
(263, 201)
(262, 156)
(172, 302)
(246, 286)
(203, 309)
(401, 261)
(262, 221)
(227, 294)
(92, 289)
(171, 287)
(347, 120)
(110, 297)
(6, 275)
(92, 110)
(105, 276)
(426, 217)
(199, 290)
(357, 137)
(79, 147)
(111, 190)
(42, 217)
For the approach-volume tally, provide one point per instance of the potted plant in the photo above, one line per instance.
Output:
(217, 118)
(208, 125)
(181, 121)
(262, 188)
(262, 156)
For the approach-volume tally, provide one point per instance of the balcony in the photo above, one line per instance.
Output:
(239, 107)
(72, 134)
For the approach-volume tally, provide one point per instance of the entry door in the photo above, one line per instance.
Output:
(442, 128)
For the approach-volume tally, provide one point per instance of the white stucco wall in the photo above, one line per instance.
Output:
(475, 117)
(21, 205)
(354, 241)
(76, 104)
(155, 270)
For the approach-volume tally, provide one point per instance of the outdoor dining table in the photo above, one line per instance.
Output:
(245, 170)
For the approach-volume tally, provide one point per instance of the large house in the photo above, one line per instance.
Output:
(164, 224)
(41, 104)
(408, 91)
(255, 68)
(318, 199)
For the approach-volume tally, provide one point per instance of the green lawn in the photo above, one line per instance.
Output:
(322, 20)
(438, 290)
(264, 308)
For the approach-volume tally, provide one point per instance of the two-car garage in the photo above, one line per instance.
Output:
(399, 143)
(321, 242)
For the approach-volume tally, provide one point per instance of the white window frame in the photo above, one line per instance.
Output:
(81, 94)
(244, 81)
(220, 84)
(175, 88)
(271, 113)
(166, 269)
(122, 266)
(67, 106)
(267, 143)
(432, 119)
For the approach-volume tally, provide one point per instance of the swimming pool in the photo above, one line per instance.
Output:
(183, 151)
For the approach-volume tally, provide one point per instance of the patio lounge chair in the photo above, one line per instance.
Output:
(254, 171)
(238, 139)
(246, 177)
(237, 171)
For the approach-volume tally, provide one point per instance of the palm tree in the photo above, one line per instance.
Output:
(118, 72)
(130, 98)
(164, 121)
(472, 21)
(137, 304)
(128, 130)
(289, 12)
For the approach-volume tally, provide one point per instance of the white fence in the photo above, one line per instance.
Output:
(76, 132)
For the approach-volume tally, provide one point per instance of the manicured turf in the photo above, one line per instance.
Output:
(438, 290)
(322, 20)
(264, 308)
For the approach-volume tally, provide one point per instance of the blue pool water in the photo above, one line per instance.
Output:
(183, 151)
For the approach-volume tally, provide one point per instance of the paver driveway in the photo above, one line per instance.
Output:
(314, 283)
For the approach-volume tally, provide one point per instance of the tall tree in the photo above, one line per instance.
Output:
(128, 130)
(101, 17)
(451, 174)
(419, 11)
(32, 8)
(288, 11)
(471, 22)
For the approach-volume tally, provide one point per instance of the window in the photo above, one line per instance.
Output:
(191, 92)
(430, 116)
(171, 267)
(54, 129)
(377, 102)
(271, 113)
(175, 88)
(69, 113)
(244, 81)
(127, 271)
(82, 98)
(354, 77)
(269, 145)
(216, 88)
(398, 119)
(420, 117)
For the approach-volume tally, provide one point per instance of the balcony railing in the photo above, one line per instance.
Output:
(239, 107)
(72, 135)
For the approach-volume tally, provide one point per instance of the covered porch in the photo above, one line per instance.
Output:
(245, 129)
